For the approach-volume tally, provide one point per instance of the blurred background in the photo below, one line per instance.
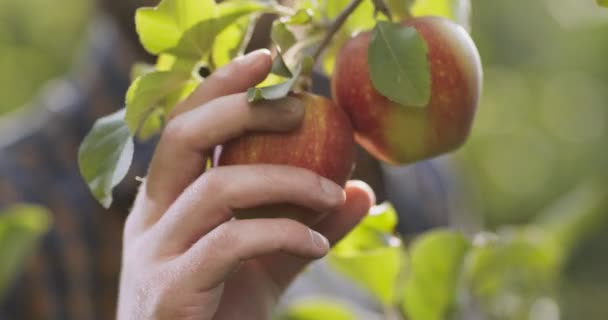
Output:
(542, 127)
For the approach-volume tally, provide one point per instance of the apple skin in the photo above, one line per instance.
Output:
(324, 144)
(404, 134)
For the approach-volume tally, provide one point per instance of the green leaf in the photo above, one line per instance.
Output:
(458, 11)
(148, 92)
(312, 7)
(316, 309)
(155, 118)
(188, 28)
(302, 17)
(373, 232)
(152, 125)
(161, 28)
(105, 155)
(231, 42)
(198, 41)
(277, 91)
(280, 68)
(168, 62)
(21, 226)
(398, 63)
(282, 36)
(436, 261)
(371, 256)
(382, 217)
(603, 3)
(376, 270)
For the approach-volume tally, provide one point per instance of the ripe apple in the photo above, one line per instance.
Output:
(324, 143)
(404, 134)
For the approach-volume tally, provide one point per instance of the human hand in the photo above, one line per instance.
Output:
(184, 257)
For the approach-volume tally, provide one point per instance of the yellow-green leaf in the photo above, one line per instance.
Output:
(21, 226)
(436, 261)
(316, 309)
(162, 27)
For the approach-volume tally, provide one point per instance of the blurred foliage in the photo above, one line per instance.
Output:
(313, 309)
(38, 41)
(20, 228)
(542, 126)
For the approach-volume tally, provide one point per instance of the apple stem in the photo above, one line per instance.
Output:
(335, 27)
(383, 8)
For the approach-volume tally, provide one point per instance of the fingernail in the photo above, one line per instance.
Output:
(333, 190)
(291, 106)
(319, 240)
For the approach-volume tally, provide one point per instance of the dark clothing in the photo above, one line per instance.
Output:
(74, 273)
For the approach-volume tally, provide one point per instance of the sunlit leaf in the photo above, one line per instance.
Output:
(371, 256)
(280, 68)
(302, 17)
(155, 118)
(280, 90)
(105, 155)
(188, 28)
(374, 231)
(161, 28)
(20, 228)
(603, 3)
(316, 309)
(382, 217)
(198, 41)
(147, 92)
(398, 63)
(376, 270)
(168, 62)
(152, 125)
(231, 42)
(436, 261)
(282, 36)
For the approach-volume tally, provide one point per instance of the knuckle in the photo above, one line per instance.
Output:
(175, 130)
(223, 237)
(285, 228)
(212, 181)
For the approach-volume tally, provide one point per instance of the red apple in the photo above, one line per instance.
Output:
(404, 134)
(324, 143)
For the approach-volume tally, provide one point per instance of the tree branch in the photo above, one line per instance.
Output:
(335, 27)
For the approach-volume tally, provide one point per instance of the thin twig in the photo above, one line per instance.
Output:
(381, 6)
(335, 27)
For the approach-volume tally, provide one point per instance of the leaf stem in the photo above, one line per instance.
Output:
(335, 27)
(383, 8)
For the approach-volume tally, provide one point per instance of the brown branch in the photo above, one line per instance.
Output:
(335, 27)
